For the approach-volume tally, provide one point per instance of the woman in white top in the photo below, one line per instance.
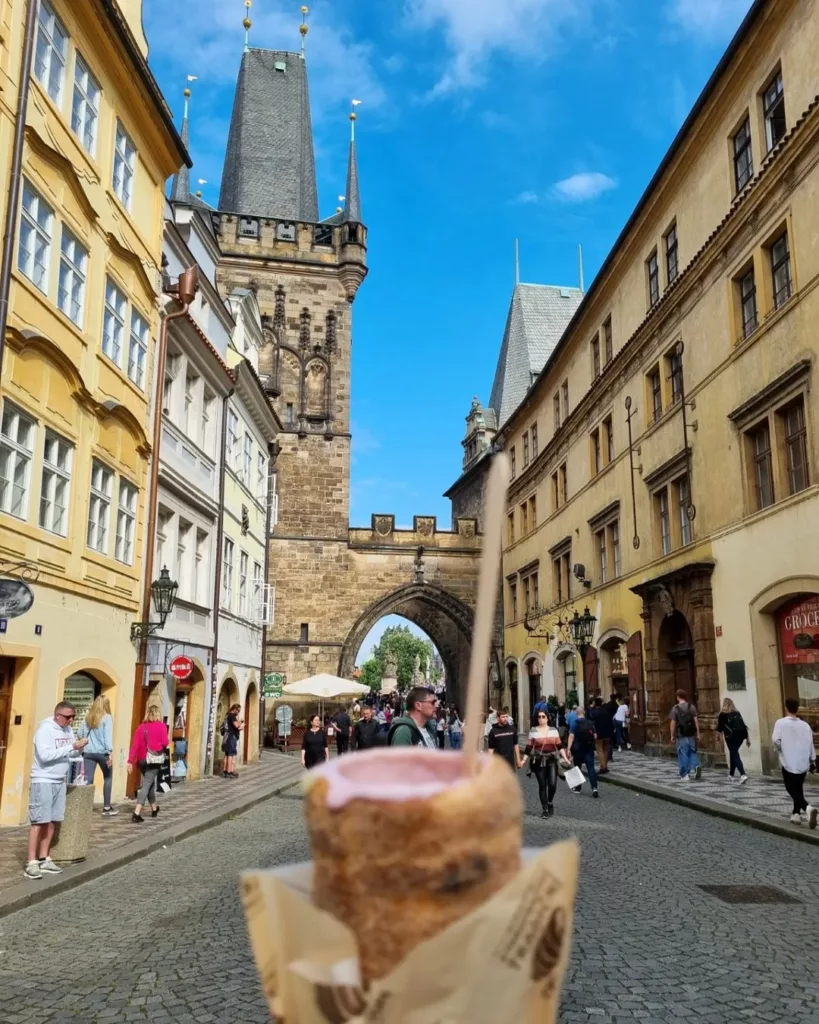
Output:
(621, 717)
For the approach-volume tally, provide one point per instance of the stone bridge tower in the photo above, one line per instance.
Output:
(332, 583)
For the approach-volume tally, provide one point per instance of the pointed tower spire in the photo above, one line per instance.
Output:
(352, 204)
(181, 187)
(247, 24)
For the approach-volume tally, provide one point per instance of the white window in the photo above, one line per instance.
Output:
(171, 368)
(124, 167)
(56, 484)
(183, 552)
(261, 476)
(232, 453)
(71, 288)
(273, 500)
(126, 521)
(163, 523)
(113, 322)
(200, 569)
(16, 449)
(191, 391)
(247, 460)
(52, 49)
(243, 574)
(85, 107)
(227, 573)
(257, 609)
(34, 249)
(99, 506)
(208, 401)
(137, 349)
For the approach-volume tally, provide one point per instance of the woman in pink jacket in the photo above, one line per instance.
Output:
(148, 751)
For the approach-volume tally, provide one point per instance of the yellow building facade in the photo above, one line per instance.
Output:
(77, 375)
(665, 459)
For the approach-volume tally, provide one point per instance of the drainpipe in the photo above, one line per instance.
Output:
(273, 450)
(16, 171)
(184, 291)
(217, 582)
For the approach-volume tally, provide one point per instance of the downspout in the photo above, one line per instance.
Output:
(16, 171)
(273, 450)
(185, 291)
(217, 583)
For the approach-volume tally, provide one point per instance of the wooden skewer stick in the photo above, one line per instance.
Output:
(485, 609)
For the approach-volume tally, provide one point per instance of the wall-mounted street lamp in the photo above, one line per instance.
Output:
(163, 592)
(582, 630)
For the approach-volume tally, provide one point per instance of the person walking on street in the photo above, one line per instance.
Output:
(411, 729)
(98, 729)
(314, 748)
(456, 729)
(685, 734)
(504, 740)
(581, 744)
(440, 728)
(621, 717)
(793, 739)
(611, 706)
(148, 752)
(366, 733)
(55, 748)
(544, 748)
(734, 731)
(231, 730)
(601, 720)
(343, 728)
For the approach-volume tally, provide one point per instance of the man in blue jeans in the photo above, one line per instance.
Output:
(581, 744)
(685, 733)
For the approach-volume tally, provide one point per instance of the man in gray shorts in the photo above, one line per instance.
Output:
(55, 746)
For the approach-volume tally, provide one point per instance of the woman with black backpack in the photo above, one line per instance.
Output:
(734, 731)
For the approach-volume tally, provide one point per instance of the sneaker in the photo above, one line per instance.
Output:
(619, 750)
(795, 819)
(109, 812)
(595, 794)
(731, 776)
(32, 869)
(743, 779)
(685, 778)
(698, 772)
(137, 819)
(813, 815)
(47, 864)
(628, 746)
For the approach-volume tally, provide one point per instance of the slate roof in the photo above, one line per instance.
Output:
(352, 203)
(538, 316)
(269, 164)
(181, 187)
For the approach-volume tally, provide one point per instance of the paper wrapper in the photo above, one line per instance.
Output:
(505, 961)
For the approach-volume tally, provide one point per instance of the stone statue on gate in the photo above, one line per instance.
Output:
(418, 678)
(390, 666)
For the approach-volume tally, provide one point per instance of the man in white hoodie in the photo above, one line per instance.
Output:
(55, 746)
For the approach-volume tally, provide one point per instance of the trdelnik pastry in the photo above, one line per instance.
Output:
(405, 843)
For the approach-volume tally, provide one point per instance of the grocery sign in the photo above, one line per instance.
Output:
(799, 631)
(181, 667)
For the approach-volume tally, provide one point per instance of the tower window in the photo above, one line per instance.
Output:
(280, 65)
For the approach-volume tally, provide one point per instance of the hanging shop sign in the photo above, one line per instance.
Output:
(181, 667)
(15, 598)
(799, 631)
(273, 683)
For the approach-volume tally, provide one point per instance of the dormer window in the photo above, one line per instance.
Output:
(286, 232)
(280, 66)
(248, 227)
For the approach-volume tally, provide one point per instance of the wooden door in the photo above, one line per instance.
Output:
(591, 674)
(246, 731)
(636, 688)
(6, 686)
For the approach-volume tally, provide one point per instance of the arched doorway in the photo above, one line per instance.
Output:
(228, 695)
(613, 668)
(514, 696)
(188, 727)
(675, 649)
(445, 619)
(250, 746)
(566, 675)
(533, 670)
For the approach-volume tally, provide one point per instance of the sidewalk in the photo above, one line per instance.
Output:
(761, 802)
(187, 809)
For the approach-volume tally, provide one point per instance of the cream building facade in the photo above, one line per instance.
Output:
(666, 455)
(74, 392)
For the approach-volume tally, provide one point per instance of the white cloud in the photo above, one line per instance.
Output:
(582, 188)
(526, 197)
(473, 29)
(708, 19)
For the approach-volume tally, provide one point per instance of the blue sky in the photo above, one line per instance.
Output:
(481, 121)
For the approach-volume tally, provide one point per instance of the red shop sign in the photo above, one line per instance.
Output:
(799, 631)
(181, 667)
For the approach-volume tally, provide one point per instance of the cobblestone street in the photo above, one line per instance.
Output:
(164, 938)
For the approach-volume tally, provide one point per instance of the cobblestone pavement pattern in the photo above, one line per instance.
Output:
(164, 938)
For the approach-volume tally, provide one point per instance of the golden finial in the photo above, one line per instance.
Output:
(186, 93)
(303, 29)
(246, 23)
(198, 193)
(339, 209)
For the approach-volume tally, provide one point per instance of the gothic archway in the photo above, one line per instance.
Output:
(443, 617)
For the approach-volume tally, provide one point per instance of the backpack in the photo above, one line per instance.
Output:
(584, 734)
(223, 728)
(686, 720)
(417, 738)
(734, 726)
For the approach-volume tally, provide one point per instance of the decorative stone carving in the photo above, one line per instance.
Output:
(664, 600)
(330, 327)
(425, 525)
(390, 666)
(383, 525)
(304, 329)
(466, 528)
(418, 566)
(278, 311)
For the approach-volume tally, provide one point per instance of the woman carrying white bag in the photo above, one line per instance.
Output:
(581, 745)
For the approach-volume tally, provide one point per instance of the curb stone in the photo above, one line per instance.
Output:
(29, 893)
(716, 809)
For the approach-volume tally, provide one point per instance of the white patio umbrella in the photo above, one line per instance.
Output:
(325, 687)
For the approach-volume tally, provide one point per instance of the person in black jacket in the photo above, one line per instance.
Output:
(604, 730)
(367, 732)
(344, 725)
(734, 731)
